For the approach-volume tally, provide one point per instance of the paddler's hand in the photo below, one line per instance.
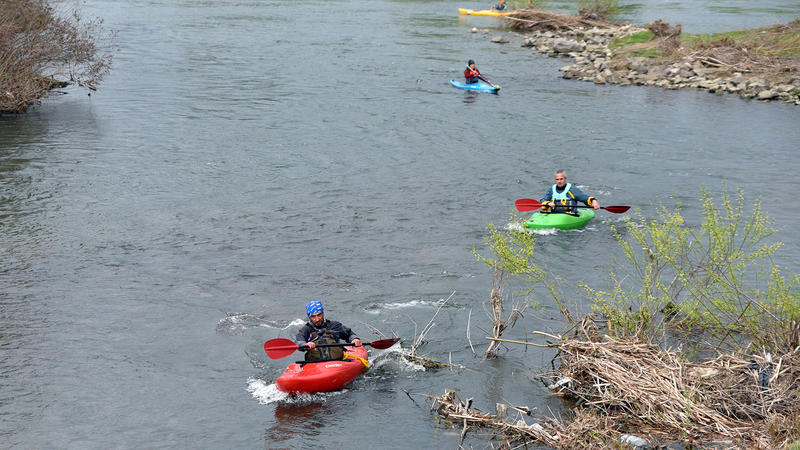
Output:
(356, 342)
(595, 205)
(311, 345)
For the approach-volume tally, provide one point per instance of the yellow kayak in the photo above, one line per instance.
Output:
(484, 12)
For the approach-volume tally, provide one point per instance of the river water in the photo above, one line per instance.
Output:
(244, 157)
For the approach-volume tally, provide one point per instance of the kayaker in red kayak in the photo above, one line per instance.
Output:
(471, 73)
(562, 197)
(321, 331)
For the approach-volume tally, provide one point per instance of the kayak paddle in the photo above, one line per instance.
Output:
(529, 204)
(281, 348)
(480, 77)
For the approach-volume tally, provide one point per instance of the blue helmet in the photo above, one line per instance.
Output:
(313, 308)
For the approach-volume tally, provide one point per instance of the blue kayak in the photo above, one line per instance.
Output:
(479, 86)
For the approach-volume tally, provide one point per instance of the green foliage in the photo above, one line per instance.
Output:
(520, 4)
(604, 8)
(715, 282)
(514, 255)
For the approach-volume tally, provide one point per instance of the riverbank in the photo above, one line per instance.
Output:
(761, 64)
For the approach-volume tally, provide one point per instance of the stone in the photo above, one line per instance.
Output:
(567, 46)
(767, 94)
(500, 40)
(757, 82)
(737, 79)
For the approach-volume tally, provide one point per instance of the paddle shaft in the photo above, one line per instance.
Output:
(529, 204)
(281, 347)
(342, 344)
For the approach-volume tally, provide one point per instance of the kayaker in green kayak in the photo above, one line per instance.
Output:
(318, 330)
(562, 197)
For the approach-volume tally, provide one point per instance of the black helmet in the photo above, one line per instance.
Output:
(470, 62)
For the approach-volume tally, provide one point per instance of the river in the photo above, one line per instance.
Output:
(244, 157)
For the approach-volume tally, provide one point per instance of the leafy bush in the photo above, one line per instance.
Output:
(716, 284)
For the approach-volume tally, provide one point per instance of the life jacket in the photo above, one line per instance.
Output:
(324, 353)
(564, 200)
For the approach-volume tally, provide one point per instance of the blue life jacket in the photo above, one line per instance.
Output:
(564, 201)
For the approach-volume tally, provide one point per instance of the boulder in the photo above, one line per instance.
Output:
(567, 46)
(767, 94)
(737, 79)
(500, 40)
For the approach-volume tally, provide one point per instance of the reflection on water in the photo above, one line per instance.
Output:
(294, 421)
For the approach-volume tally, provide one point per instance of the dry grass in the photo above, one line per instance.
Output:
(768, 50)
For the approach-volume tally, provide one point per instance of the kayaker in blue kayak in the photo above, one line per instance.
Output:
(562, 197)
(318, 330)
(471, 73)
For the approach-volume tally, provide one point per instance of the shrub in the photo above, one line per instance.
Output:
(716, 284)
(40, 50)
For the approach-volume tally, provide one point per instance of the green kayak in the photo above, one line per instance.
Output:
(541, 221)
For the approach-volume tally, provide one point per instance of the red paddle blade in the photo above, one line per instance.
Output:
(383, 343)
(279, 348)
(616, 209)
(527, 204)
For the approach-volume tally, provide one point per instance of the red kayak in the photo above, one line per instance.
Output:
(323, 376)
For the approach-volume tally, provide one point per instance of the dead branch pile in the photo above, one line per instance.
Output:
(449, 406)
(629, 386)
(737, 57)
(761, 55)
(661, 394)
(535, 19)
(662, 29)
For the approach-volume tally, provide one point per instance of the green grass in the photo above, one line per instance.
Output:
(653, 52)
(638, 38)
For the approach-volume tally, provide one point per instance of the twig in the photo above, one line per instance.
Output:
(429, 325)
(521, 342)
(469, 318)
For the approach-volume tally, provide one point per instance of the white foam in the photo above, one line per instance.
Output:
(269, 393)
(294, 323)
(410, 304)
(518, 226)
(265, 393)
(394, 355)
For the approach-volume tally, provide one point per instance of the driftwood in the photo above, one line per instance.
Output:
(530, 19)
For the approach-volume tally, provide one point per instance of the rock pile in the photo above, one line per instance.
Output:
(595, 61)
